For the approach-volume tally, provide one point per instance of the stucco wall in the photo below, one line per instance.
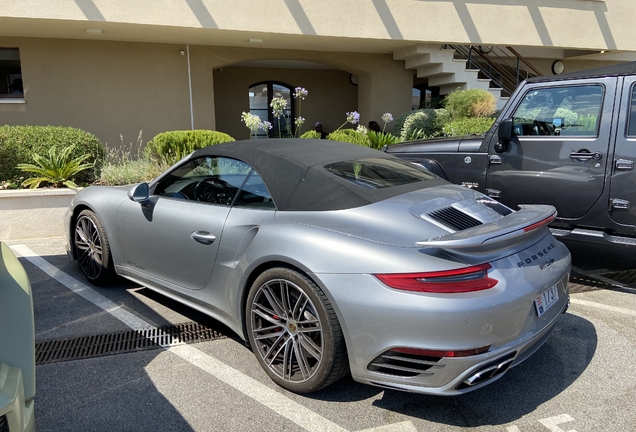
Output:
(121, 88)
(107, 88)
(550, 23)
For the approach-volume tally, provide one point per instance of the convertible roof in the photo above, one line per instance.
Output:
(293, 170)
(616, 70)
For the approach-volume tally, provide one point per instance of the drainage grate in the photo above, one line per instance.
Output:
(60, 350)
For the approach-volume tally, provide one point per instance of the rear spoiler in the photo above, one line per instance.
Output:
(501, 233)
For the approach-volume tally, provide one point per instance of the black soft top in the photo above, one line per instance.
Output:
(616, 70)
(293, 170)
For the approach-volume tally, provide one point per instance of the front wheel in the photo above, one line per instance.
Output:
(92, 248)
(294, 332)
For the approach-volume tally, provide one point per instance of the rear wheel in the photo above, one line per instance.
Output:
(92, 248)
(294, 332)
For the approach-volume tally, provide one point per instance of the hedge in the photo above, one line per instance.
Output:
(351, 136)
(18, 143)
(173, 145)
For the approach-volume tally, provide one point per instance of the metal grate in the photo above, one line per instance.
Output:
(4, 424)
(60, 350)
(453, 218)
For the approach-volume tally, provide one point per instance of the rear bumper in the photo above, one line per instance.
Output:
(377, 319)
(15, 411)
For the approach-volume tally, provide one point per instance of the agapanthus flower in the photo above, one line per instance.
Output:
(278, 105)
(387, 118)
(362, 129)
(353, 117)
(300, 92)
(266, 125)
(299, 121)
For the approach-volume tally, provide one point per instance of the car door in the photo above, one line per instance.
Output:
(558, 154)
(622, 205)
(175, 236)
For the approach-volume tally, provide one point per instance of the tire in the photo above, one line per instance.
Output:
(92, 248)
(294, 332)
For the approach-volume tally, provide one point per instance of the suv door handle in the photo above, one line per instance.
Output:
(584, 156)
(203, 237)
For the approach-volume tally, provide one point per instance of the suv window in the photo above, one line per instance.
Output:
(631, 125)
(564, 111)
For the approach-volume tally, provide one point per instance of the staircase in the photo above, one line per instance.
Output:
(443, 69)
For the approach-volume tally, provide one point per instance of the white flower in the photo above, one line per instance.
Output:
(362, 129)
(252, 121)
(387, 118)
(300, 92)
(278, 105)
(299, 121)
(353, 117)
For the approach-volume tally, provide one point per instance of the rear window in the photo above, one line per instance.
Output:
(379, 173)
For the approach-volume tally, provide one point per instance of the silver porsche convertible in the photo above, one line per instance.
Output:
(330, 258)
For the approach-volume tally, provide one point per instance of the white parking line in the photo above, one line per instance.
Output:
(275, 401)
(603, 306)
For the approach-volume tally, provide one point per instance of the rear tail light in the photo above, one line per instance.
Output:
(539, 224)
(441, 353)
(461, 280)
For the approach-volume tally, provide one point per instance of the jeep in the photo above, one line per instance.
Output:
(567, 140)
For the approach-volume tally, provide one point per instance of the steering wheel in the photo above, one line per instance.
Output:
(210, 189)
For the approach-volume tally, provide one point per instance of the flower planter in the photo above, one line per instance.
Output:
(26, 213)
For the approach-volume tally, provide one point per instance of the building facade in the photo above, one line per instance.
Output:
(115, 67)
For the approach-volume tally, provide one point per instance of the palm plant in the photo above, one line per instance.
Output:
(56, 168)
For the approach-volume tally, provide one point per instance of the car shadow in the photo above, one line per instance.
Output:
(546, 374)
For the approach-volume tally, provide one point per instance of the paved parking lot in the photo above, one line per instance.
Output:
(583, 379)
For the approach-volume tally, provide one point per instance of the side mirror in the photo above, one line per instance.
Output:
(139, 193)
(505, 135)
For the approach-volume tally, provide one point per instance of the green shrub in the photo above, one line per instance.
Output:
(56, 167)
(351, 136)
(19, 143)
(312, 134)
(468, 126)
(171, 146)
(470, 103)
(380, 139)
(430, 123)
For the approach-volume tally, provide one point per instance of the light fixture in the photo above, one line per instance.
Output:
(255, 40)
(602, 51)
(182, 52)
(94, 31)
(353, 79)
(558, 67)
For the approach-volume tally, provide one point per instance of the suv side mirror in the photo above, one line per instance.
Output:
(505, 135)
(139, 193)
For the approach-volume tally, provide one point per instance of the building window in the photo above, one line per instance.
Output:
(10, 73)
(261, 95)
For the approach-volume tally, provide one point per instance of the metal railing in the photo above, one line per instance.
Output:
(502, 65)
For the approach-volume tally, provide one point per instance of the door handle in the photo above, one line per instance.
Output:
(584, 156)
(203, 237)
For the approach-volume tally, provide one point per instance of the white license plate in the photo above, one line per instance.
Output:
(546, 300)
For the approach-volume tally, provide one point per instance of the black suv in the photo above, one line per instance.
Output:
(566, 140)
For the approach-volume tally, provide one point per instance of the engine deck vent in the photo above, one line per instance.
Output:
(453, 218)
(403, 365)
(496, 206)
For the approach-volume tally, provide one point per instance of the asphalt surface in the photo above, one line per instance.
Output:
(582, 379)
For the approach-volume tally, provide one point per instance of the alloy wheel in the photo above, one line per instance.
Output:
(88, 245)
(287, 330)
